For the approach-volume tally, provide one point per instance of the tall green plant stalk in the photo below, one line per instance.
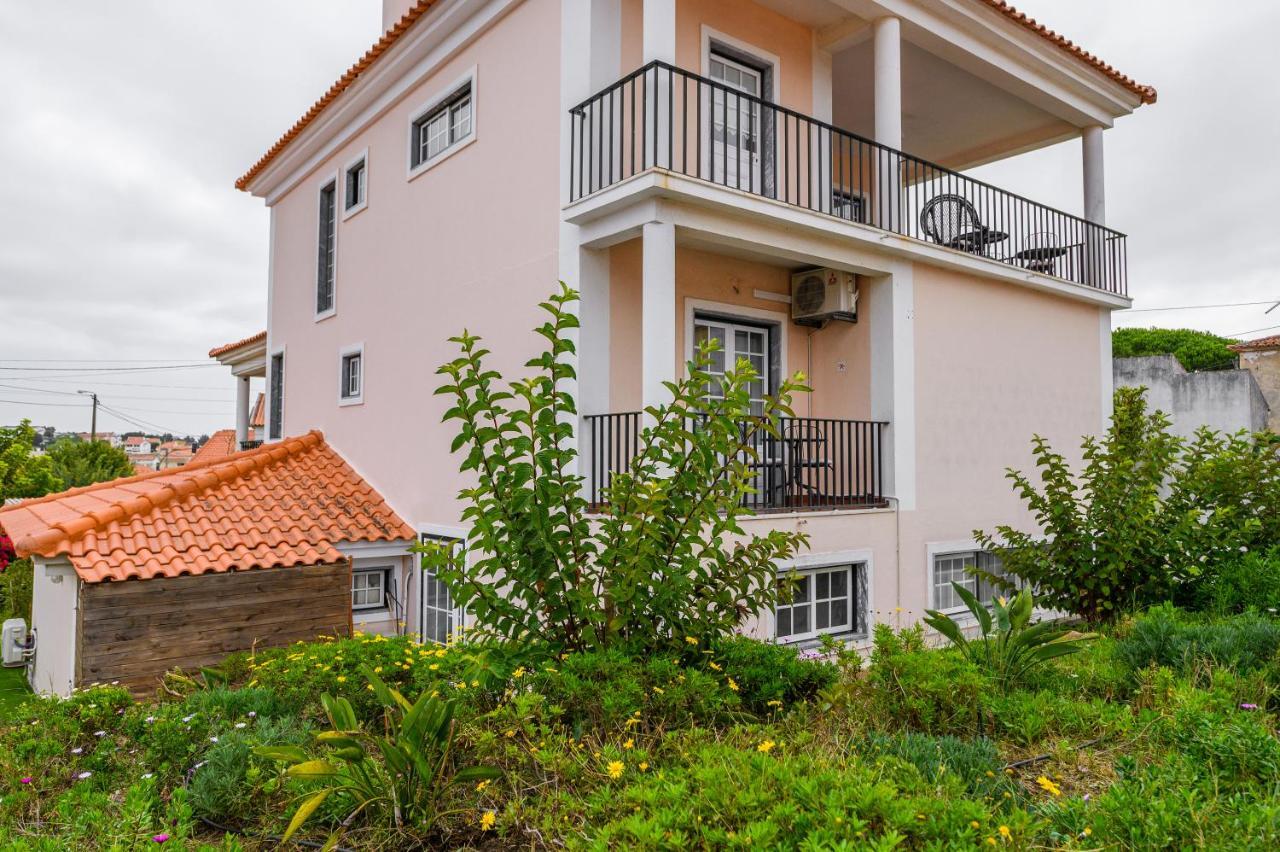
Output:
(664, 559)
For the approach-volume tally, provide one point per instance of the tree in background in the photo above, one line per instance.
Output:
(79, 463)
(23, 473)
(1195, 350)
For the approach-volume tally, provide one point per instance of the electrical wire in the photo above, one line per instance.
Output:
(1253, 331)
(1196, 307)
(90, 371)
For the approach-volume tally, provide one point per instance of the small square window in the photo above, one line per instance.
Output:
(356, 185)
(352, 378)
(369, 589)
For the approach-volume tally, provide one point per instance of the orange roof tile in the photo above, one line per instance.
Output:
(258, 416)
(278, 505)
(220, 445)
(1260, 345)
(227, 347)
(391, 36)
(346, 81)
(1146, 93)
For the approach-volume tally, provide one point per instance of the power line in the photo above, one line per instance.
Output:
(43, 404)
(89, 371)
(1253, 331)
(105, 360)
(51, 380)
(1197, 307)
(146, 398)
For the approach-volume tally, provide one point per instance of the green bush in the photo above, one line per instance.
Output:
(975, 764)
(1195, 350)
(766, 672)
(933, 692)
(1166, 637)
(1249, 581)
(1030, 717)
(232, 785)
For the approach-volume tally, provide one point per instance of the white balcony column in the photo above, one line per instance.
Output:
(657, 312)
(242, 410)
(659, 46)
(1095, 205)
(891, 312)
(887, 35)
(821, 178)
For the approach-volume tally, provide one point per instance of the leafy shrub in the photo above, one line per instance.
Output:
(1250, 580)
(976, 763)
(1008, 646)
(1166, 637)
(1030, 717)
(1195, 350)
(1236, 746)
(766, 672)
(16, 583)
(655, 567)
(934, 692)
(234, 785)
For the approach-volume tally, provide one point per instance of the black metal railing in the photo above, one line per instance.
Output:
(250, 445)
(811, 463)
(663, 117)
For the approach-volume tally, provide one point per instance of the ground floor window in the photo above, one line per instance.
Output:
(440, 618)
(826, 600)
(369, 588)
(959, 567)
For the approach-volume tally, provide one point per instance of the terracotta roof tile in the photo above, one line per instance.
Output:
(1146, 93)
(227, 347)
(258, 416)
(275, 506)
(391, 36)
(346, 81)
(220, 445)
(1259, 345)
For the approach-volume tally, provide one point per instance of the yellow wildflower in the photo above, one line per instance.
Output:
(480, 787)
(487, 821)
(342, 678)
(691, 640)
(774, 703)
(974, 824)
(733, 684)
(629, 744)
(1048, 786)
(434, 666)
(518, 673)
(510, 734)
(714, 665)
(644, 764)
(615, 769)
(1087, 831)
(1004, 831)
(766, 746)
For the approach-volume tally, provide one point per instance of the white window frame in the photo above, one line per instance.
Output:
(344, 353)
(469, 79)
(815, 562)
(942, 549)
(713, 38)
(335, 180)
(457, 613)
(361, 158)
(382, 571)
(777, 320)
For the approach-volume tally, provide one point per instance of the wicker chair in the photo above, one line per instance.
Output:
(952, 221)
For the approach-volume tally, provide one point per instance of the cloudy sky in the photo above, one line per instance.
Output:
(123, 126)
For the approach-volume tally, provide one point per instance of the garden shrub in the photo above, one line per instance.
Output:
(975, 764)
(1166, 637)
(232, 785)
(1195, 350)
(766, 672)
(1248, 581)
(1030, 717)
(1236, 746)
(931, 691)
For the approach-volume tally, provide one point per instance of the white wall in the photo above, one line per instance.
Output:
(54, 601)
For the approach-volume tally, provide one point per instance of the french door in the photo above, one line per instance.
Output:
(439, 618)
(735, 124)
(737, 341)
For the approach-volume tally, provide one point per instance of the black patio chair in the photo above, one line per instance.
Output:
(953, 221)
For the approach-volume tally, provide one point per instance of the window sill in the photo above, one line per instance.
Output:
(423, 168)
(348, 214)
(321, 317)
(344, 402)
(848, 637)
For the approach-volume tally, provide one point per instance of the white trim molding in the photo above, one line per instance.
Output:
(830, 559)
(777, 320)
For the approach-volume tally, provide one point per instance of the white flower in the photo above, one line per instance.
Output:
(213, 739)
(253, 714)
(84, 775)
(99, 733)
(186, 719)
(147, 774)
(77, 750)
(240, 725)
(149, 719)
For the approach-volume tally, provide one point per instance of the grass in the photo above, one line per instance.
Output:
(13, 690)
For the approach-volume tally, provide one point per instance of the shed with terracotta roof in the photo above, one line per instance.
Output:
(178, 568)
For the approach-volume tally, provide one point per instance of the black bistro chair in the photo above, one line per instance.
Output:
(953, 221)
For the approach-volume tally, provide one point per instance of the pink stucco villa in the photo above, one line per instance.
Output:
(784, 175)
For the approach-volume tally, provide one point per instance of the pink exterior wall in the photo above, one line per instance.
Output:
(469, 244)
(746, 21)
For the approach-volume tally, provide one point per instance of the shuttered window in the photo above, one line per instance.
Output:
(277, 396)
(327, 246)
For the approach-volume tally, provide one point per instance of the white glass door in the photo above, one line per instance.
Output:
(735, 124)
(439, 619)
(737, 342)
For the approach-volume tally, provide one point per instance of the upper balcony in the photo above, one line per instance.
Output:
(665, 119)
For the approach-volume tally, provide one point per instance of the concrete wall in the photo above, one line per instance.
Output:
(1265, 367)
(1225, 400)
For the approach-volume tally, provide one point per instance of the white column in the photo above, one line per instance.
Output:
(893, 378)
(660, 31)
(242, 410)
(820, 146)
(887, 34)
(1095, 206)
(657, 313)
(1106, 374)
(1095, 188)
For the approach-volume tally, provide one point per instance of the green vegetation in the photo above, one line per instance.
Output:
(1195, 350)
(655, 568)
(1148, 516)
(79, 463)
(22, 472)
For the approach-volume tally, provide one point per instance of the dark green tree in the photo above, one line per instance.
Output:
(79, 463)
(23, 473)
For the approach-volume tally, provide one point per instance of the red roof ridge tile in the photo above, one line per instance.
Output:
(227, 347)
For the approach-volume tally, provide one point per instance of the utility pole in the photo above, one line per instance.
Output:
(93, 419)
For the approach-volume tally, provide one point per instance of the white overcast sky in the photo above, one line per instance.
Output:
(123, 126)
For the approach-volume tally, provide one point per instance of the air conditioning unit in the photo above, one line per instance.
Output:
(13, 642)
(821, 295)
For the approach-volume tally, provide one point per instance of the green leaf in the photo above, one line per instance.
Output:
(285, 754)
(304, 812)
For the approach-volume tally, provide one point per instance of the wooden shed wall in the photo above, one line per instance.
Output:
(134, 631)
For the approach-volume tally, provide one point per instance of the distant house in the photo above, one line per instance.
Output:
(1262, 359)
(220, 444)
(138, 444)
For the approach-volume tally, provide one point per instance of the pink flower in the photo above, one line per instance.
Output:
(1247, 706)
(26, 780)
(160, 838)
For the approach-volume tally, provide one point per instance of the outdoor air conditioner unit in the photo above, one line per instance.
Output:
(13, 639)
(821, 295)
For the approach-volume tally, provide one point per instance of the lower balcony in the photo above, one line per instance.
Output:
(811, 464)
(662, 118)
